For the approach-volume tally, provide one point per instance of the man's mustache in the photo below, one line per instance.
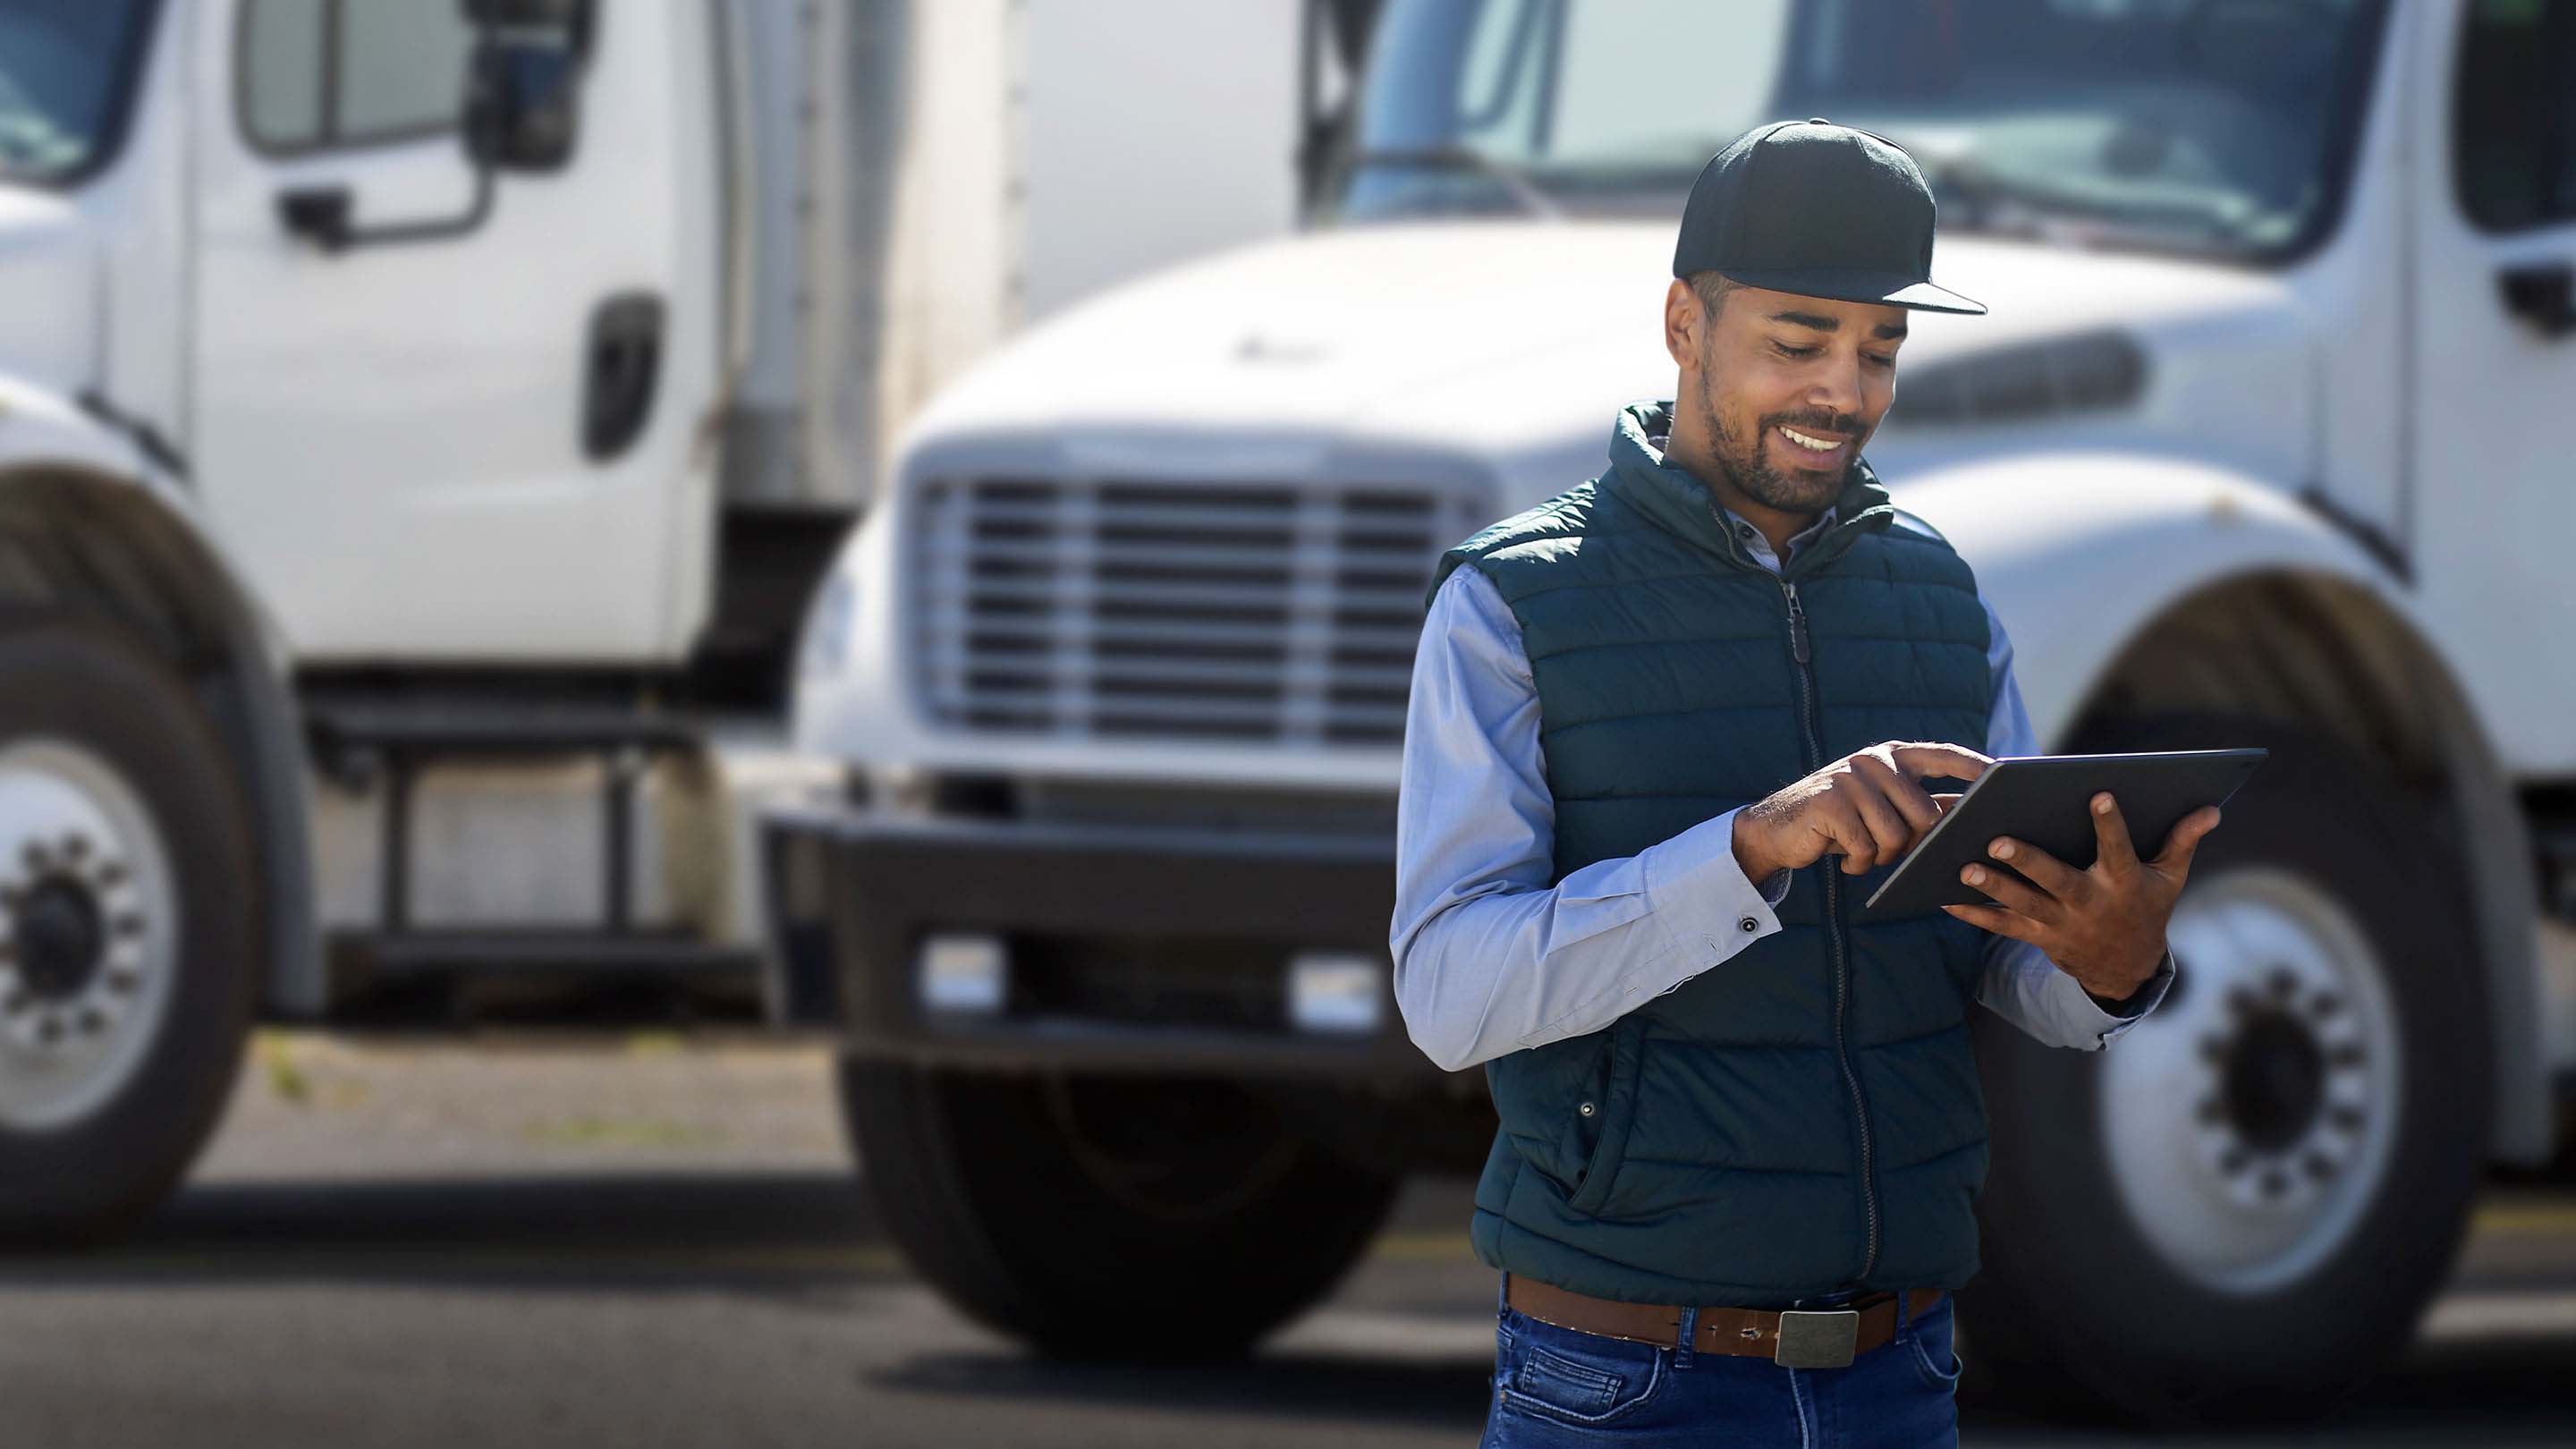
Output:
(1821, 425)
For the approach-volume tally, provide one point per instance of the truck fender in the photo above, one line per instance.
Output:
(70, 478)
(2083, 554)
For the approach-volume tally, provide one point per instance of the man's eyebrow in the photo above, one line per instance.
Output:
(1892, 330)
(1817, 320)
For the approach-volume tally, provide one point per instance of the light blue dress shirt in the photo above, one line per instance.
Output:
(1491, 959)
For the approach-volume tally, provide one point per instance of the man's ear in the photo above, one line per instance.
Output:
(1683, 322)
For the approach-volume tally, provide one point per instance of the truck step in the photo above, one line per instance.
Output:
(526, 953)
(479, 729)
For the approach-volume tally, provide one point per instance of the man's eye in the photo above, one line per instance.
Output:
(1788, 351)
(1878, 361)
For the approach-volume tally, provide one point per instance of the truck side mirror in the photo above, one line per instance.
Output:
(521, 104)
(522, 91)
(522, 95)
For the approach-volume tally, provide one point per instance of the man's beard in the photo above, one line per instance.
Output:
(1748, 464)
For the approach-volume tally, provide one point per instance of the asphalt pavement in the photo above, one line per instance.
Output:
(643, 1242)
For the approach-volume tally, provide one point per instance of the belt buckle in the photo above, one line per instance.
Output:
(1819, 1338)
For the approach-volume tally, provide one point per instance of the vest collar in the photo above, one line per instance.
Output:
(1679, 502)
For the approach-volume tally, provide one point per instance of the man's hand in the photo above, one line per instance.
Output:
(2104, 926)
(1865, 806)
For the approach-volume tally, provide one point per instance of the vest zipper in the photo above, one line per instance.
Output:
(1802, 651)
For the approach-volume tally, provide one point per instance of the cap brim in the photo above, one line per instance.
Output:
(1835, 284)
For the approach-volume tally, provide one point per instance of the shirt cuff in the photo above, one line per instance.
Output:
(2110, 1018)
(1698, 890)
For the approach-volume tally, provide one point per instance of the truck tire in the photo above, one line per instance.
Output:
(2240, 1209)
(129, 933)
(1105, 1217)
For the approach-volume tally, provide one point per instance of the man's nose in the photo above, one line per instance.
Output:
(1836, 387)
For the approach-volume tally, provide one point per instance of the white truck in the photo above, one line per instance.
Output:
(422, 426)
(2257, 446)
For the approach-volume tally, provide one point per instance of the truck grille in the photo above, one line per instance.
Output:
(1215, 612)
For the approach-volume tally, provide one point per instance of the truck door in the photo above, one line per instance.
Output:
(2495, 360)
(437, 427)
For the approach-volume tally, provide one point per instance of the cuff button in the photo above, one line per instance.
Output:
(1748, 924)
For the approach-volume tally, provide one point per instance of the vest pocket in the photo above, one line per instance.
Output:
(1541, 1095)
(1616, 1111)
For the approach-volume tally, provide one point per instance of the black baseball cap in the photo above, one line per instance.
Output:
(1816, 209)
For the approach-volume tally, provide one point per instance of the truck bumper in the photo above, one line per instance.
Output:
(1123, 948)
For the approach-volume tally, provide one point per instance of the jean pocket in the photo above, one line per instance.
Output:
(1577, 1383)
(1936, 1362)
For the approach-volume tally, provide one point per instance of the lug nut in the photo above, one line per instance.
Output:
(2232, 1161)
(109, 873)
(16, 1002)
(2319, 1166)
(129, 925)
(2347, 1055)
(2322, 1005)
(2275, 1183)
(2283, 984)
(121, 981)
(75, 848)
(49, 1030)
(92, 1020)
(38, 859)
(2347, 1118)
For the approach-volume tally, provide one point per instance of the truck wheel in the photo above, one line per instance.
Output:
(1106, 1217)
(128, 937)
(2241, 1208)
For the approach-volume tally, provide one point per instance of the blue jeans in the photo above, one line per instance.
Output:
(1563, 1386)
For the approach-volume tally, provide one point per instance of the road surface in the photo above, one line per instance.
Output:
(641, 1243)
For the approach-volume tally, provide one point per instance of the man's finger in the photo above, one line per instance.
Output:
(2185, 840)
(2000, 921)
(1911, 800)
(2044, 870)
(1889, 831)
(2111, 836)
(2011, 894)
(1954, 762)
(1941, 803)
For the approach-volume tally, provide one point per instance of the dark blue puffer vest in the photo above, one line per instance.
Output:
(1804, 1116)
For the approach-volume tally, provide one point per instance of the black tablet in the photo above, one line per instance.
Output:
(2046, 800)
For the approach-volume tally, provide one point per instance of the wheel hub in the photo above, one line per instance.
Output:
(2273, 1081)
(61, 938)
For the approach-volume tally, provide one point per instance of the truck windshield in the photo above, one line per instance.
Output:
(65, 80)
(2213, 126)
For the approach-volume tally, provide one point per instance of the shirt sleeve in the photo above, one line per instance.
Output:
(2019, 982)
(1490, 958)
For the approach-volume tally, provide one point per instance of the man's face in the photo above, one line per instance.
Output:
(1778, 374)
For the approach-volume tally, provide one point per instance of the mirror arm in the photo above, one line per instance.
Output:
(321, 215)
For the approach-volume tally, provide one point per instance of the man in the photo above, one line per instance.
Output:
(1644, 715)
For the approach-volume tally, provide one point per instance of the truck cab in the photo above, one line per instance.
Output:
(423, 427)
(2251, 449)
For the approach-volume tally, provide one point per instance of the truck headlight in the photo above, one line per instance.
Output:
(1334, 991)
(964, 972)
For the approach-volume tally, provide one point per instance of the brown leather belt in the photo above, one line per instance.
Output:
(1794, 1338)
